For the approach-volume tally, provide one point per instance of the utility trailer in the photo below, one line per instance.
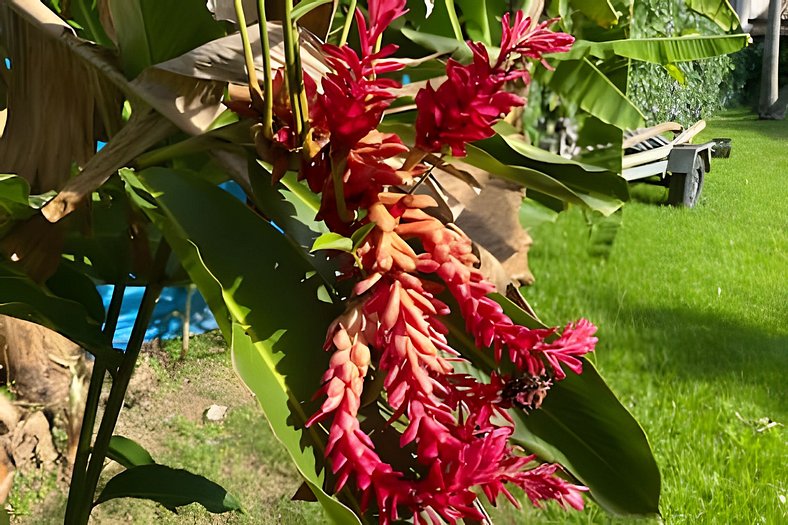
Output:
(680, 166)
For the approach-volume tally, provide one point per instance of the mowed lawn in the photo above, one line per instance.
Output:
(692, 309)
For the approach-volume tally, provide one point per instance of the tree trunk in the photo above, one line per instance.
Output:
(47, 373)
(767, 108)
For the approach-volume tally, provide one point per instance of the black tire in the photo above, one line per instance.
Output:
(685, 188)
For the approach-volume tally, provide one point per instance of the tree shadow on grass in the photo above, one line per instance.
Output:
(702, 346)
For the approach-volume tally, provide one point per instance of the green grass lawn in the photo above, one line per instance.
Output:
(692, 309)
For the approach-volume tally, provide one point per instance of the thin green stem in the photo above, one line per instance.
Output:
(251, 72)
(183, 148)
(268, 83)
(91, 408)
(120, 385)
(455, 22)
(295, 79)
(351, 11)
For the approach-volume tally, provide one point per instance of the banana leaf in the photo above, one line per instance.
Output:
(580, 82)
(659, 50)
(601, 12)
(151, 31)
(265, 302)
(718, 11)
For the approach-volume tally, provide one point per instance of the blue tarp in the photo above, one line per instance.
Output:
(167, 321)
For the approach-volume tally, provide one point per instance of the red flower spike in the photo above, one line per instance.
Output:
(381, 14)
(458, 426)
(453, 420)
(465, 107)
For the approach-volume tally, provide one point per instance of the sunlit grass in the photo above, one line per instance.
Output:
(692, 309)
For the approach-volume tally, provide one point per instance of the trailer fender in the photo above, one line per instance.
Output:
(682, 157)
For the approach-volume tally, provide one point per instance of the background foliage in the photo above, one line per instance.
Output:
(688, 91)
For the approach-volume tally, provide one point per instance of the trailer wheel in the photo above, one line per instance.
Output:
(685, 188)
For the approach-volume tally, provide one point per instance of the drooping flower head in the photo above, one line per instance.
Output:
(393, 337)
(458, 425)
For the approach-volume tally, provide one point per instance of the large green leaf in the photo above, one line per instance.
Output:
(170, 487)
(184, 248)
(538, 181)
(660, 50)
(482, 19)
(718, 11)
(291, 207)
(277, 322)
(106, 251)
(152, 31)
(22, 298)
(582, 83)
(128, 452)
(509, 146)
(70, 283)
(600, 11)
(86, 14)
(582, 426)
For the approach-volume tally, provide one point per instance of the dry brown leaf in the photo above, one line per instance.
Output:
(318, 20)
(223, 60)
(47, 129)
(143, 130)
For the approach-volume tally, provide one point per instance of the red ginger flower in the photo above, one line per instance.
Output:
(353, 100)
(381, 14)
(531, 40)
(354, 97)
(465, 107)
(453, 421)
(450, 418)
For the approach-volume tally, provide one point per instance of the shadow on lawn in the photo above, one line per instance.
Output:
(696, 345)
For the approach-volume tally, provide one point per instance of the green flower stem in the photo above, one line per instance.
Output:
(455, 22)
(348, 22)
(119, 386)
(251, 72)
(91, 407)
(268, 84)
(189, 146)
(295, 78)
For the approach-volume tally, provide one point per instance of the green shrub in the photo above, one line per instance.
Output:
(691, 90)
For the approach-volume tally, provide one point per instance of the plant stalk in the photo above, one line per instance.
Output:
(79, 471)
(295, 78)
(120, 385)
(455, 22)
(268, 83)
(351, 11)
(251, 72)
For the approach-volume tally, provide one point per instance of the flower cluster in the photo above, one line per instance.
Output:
(393, 336)
(454, 420)
(464, 108)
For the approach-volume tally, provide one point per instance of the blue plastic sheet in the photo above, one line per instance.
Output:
(168, 316)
